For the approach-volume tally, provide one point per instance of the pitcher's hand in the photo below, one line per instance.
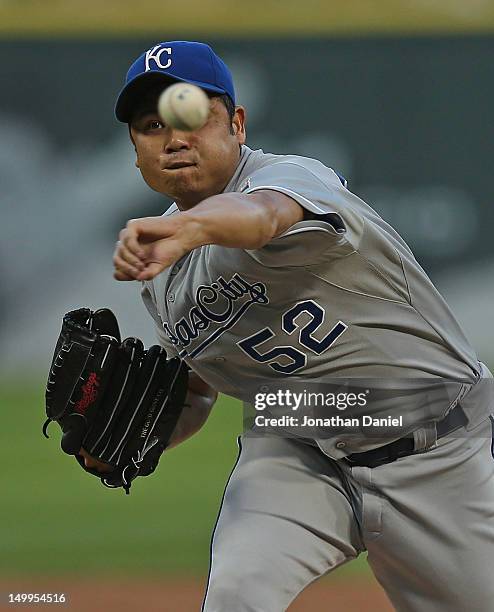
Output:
(149, 245)
(90, 462)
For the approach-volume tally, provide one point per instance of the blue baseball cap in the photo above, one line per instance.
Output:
(178, 60)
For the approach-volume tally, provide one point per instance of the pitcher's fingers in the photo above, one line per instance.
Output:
(150, 271)
(123, 252)
(122, 267)
(121, 276)
(129, 237)
(92, 463)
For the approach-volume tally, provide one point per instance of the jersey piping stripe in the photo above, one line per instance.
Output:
(303, 202)
(310, 228)
(369, 295)
(239, 442)
(172, 209)
(310, 205)
(492, 443)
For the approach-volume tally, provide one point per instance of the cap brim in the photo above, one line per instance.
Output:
(134, 91)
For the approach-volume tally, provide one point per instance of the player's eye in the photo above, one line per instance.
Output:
(154, 124)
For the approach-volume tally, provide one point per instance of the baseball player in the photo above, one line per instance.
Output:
(268, 269)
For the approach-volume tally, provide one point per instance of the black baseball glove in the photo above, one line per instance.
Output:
(117, 401)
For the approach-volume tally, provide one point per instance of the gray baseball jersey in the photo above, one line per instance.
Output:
(337, 295)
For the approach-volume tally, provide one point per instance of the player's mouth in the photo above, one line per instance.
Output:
(177, 165)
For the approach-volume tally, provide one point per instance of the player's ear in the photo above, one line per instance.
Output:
(238, 124)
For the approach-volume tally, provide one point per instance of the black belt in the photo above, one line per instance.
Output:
(406, 446)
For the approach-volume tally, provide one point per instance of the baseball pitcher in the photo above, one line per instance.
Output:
(268, 272)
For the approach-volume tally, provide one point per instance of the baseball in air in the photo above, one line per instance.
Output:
(183, 106)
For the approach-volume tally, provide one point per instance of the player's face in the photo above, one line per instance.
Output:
(188, 166)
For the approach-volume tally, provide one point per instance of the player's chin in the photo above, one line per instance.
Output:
(182, 181)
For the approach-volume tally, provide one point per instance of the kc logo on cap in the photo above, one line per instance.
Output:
(154, 54)
(185, 61)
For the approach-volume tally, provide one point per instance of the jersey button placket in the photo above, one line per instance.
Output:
(167, 294)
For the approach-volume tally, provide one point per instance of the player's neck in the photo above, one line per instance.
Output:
(190, 200)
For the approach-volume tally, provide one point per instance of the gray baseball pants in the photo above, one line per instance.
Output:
(290, 514)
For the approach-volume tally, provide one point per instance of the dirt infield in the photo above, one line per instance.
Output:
(347, 595)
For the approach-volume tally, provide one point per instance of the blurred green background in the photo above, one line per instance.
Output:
(57, 520)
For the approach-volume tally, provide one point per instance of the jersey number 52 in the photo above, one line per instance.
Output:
(297, 359)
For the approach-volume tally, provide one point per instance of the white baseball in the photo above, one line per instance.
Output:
(184, 107)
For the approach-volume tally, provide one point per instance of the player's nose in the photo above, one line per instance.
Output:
(178, 141)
